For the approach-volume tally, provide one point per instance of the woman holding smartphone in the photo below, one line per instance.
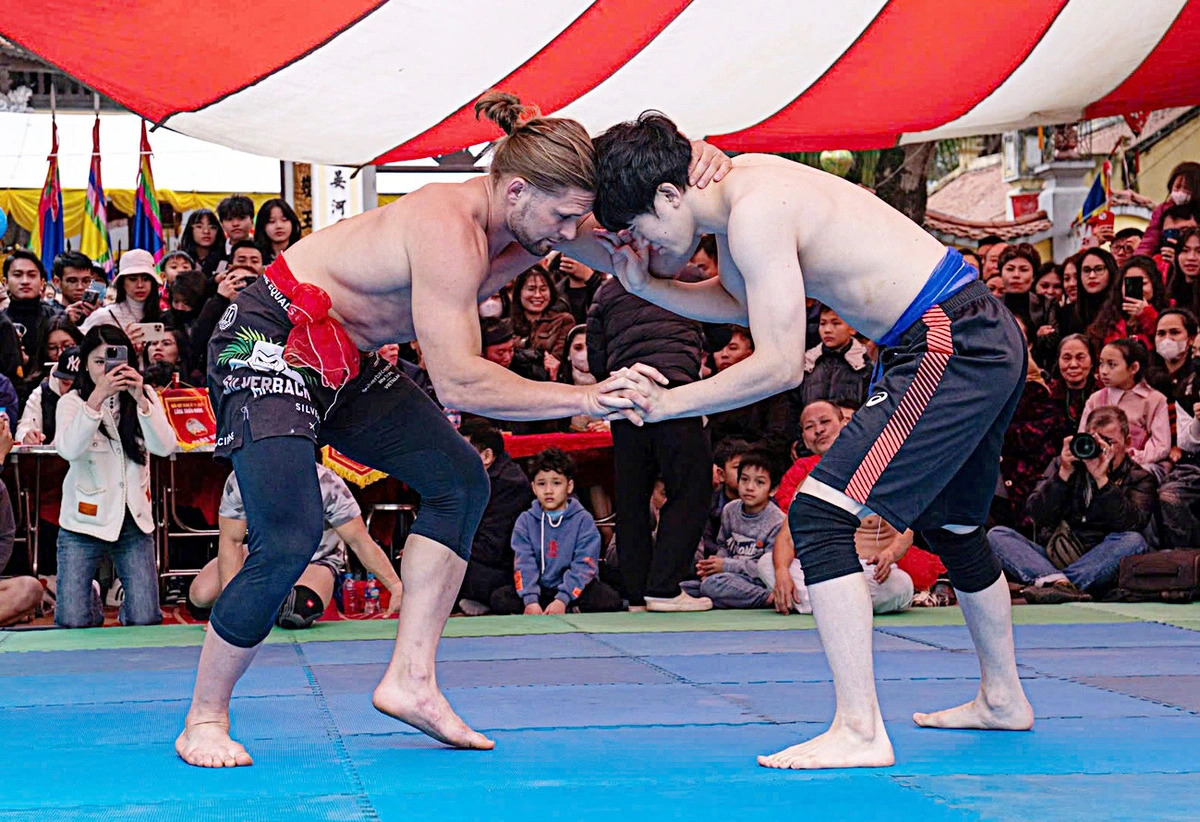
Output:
(137, 304)
(106, 428)
(1132, 306)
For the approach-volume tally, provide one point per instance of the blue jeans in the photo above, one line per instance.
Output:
(133, 557)
(1027, 561)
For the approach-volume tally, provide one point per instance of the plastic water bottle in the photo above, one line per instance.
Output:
(350, 603)
(371, 605)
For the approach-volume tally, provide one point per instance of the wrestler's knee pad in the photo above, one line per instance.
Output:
(452, 504)
(969, 559)
(824, 539)
(301, 608)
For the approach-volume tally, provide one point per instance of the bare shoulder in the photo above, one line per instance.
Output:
(444, 220)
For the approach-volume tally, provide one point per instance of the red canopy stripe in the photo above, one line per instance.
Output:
(199, 53)
(1166, 76)
(874, 83)
(597, 43)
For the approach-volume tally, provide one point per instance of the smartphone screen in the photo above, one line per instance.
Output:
(151, 332)
(1134, 288)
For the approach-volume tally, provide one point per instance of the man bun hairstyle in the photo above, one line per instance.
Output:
(552, 153)
(632, 160)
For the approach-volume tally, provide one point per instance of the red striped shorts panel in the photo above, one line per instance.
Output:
(939, 344)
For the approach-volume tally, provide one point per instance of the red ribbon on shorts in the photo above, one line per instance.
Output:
(316, 340)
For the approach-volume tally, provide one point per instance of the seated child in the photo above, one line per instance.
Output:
(557, 549)
(749, 526)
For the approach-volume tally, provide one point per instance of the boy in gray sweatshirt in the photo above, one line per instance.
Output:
(557, 549)
(749, 526)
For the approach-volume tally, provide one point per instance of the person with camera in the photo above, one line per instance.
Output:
(107, 426)
(1088, 512)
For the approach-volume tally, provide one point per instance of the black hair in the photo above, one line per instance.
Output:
(240, 244)
(1190, 172)
(187, 242)
(128, 428)
(1129, 232)
(708, 244)
(1189, 319)
(24, 254)
(190, 286)
(1186, 211)
(98, 271)
(552, 459)
(71, 259)
(1046, 269)
(1087, 305)
(1134, 352)
(759, 458)
(744, 332)
(565, 374)
(521, 325)
(632, 160)
(235, 205)
(727, 449)
(160, 374)
(260, 226)
(989, 239)
(1023, 251)
(1113, 310)
(482, 434)
(63, 323)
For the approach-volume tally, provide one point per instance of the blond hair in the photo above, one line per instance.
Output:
(552, 153)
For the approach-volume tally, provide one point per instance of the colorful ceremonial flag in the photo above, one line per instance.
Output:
(48, 238)
(94, 242)
(1096, 201)
(146, 231)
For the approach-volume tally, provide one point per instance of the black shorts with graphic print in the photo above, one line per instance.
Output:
(254, 392)
(924, 450)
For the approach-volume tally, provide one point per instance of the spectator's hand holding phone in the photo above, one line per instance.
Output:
(77, 312)
(137, 389)
(112, 383)
(233, 281)
(1133, 308)
(137, 336)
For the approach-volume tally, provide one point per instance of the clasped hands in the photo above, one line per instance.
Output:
(637, 394)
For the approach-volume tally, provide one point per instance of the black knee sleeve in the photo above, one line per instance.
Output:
(452, 501)
(824, 538)
(301, 608)
(969, 559)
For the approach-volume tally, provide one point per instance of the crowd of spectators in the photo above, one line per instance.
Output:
(692, 516)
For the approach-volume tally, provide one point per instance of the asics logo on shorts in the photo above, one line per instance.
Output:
(876, 398)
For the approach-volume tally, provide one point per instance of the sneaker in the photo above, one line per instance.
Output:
(116, 595)
(1055, 593)
(683, 602)
(472, 608)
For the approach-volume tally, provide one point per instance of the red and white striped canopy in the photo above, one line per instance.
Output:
(358, 81)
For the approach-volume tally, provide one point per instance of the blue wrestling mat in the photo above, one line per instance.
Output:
(606, 716)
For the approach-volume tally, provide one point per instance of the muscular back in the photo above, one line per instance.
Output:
(365, 263)
(857, 254)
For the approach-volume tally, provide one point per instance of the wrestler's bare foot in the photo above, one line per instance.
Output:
(207, 744)
(986, 712)
(842, 746)
(424, 707)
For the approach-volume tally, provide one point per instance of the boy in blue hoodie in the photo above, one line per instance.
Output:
(557, 549)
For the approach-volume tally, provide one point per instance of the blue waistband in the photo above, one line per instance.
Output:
(947, 278)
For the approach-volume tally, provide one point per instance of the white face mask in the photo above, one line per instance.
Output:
(491, 308)
(1170, 349)
(1180, 197)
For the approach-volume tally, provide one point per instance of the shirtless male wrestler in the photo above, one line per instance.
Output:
(286, 373)
(924, 449)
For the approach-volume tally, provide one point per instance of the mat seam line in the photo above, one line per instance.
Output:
(358, 789)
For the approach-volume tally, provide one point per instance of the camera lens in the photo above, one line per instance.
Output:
(1084, 447)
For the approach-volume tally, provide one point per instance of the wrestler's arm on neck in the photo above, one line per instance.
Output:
(777, 314)
(707, 301)
(449, 262)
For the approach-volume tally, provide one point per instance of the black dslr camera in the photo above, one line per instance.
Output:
(1084, 446)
